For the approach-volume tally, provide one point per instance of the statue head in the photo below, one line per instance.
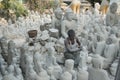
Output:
(99, 37)
(51, 50)
(113, 7)
(109, 41)
(90, 38)
(97, 63)
(69, 64)
(97, 6)
(69, 14)
(58, 13)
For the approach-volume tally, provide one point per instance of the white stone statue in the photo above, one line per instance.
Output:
(90, 45)
(18, 73)
(96, 72)
(50, 58)
(42, 73)
(100, 45)
(66, 76)
(112, 17)
(10, 75)
(113, 68)
(69, 65)
(11, 52)
(4, 47)
(56, 21)
(82, 74)
(36, 60)
(50, 73)
(51, 62)
(31, 74)
(83, 59)
(3, 66)
(110, 52)
(118, 2)
(68, 23)
(24, 51)
(97, 9)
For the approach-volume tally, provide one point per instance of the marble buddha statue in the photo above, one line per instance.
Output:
(112, 17)
(68, 23)
(69, 65)
(110, 52)
(100, 45)
(96, 72)
(56, 21)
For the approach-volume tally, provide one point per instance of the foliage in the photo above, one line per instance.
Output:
(13, 5)
(40, 5)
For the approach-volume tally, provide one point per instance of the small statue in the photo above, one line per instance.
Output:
(83, 59)
(69, 65)
(66, 76)
(10, 75)
(4, 47)
(110, 52)
(50, 73)
(31, 74)
(97, 8)
(96, 72)
(12, 52)
(51, 62)
(100, 45)
(18, 73)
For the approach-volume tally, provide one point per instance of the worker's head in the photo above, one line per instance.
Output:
(71, 34)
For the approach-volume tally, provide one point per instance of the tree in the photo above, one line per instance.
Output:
(12, 6)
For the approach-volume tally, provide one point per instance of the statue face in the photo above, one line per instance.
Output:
(58, 15)
(69, 64)
(113, 8)
(109, 41)
(69, 16)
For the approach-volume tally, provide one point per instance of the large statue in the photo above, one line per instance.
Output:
(112, 17)
(75, 5)
(56, 21)
(68, 23)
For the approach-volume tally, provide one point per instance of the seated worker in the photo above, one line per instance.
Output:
(72, 47)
